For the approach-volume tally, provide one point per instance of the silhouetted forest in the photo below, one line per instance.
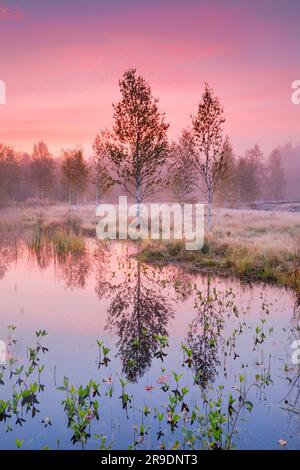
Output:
(40, 177)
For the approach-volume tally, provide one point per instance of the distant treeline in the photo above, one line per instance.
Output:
(73, 178)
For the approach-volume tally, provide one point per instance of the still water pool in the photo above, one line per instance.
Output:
(171, 359)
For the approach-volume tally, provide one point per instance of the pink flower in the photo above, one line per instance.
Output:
(282, 442)
(107, 380)
(163, 379)
(149, 388)
(90, 415)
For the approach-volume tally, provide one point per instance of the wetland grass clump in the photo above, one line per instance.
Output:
(247, 262)
(36, 241)
(61, 240)
(64, 243)
(73, 224)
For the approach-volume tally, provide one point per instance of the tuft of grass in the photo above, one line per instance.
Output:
(64, 243)
(36, 241)
(59, 238)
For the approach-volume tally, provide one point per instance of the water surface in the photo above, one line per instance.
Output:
(107, 295)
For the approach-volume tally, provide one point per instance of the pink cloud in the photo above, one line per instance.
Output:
(8, 13)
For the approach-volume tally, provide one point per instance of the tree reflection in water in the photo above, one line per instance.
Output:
(8, 254)
(42, 257)
(74, 269)
(139, 313)
(204, 336)
(73, 266)
(102, 255)
(291, 402)
(140, 304)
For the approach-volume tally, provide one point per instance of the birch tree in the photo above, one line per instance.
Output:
(250, 176)
(182, 168)
(42, 166)
(226, 192)
(276, 178)
(208, 138)
(9, 173)
(99, 171)
(75, 172)
(138, 145)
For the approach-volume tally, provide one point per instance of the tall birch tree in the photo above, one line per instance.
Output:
(209, 140)
(138, 144)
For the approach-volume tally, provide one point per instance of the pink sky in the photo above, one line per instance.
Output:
(61, 62)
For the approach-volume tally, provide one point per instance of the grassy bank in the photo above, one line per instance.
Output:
(251, 245)
(248, 263)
